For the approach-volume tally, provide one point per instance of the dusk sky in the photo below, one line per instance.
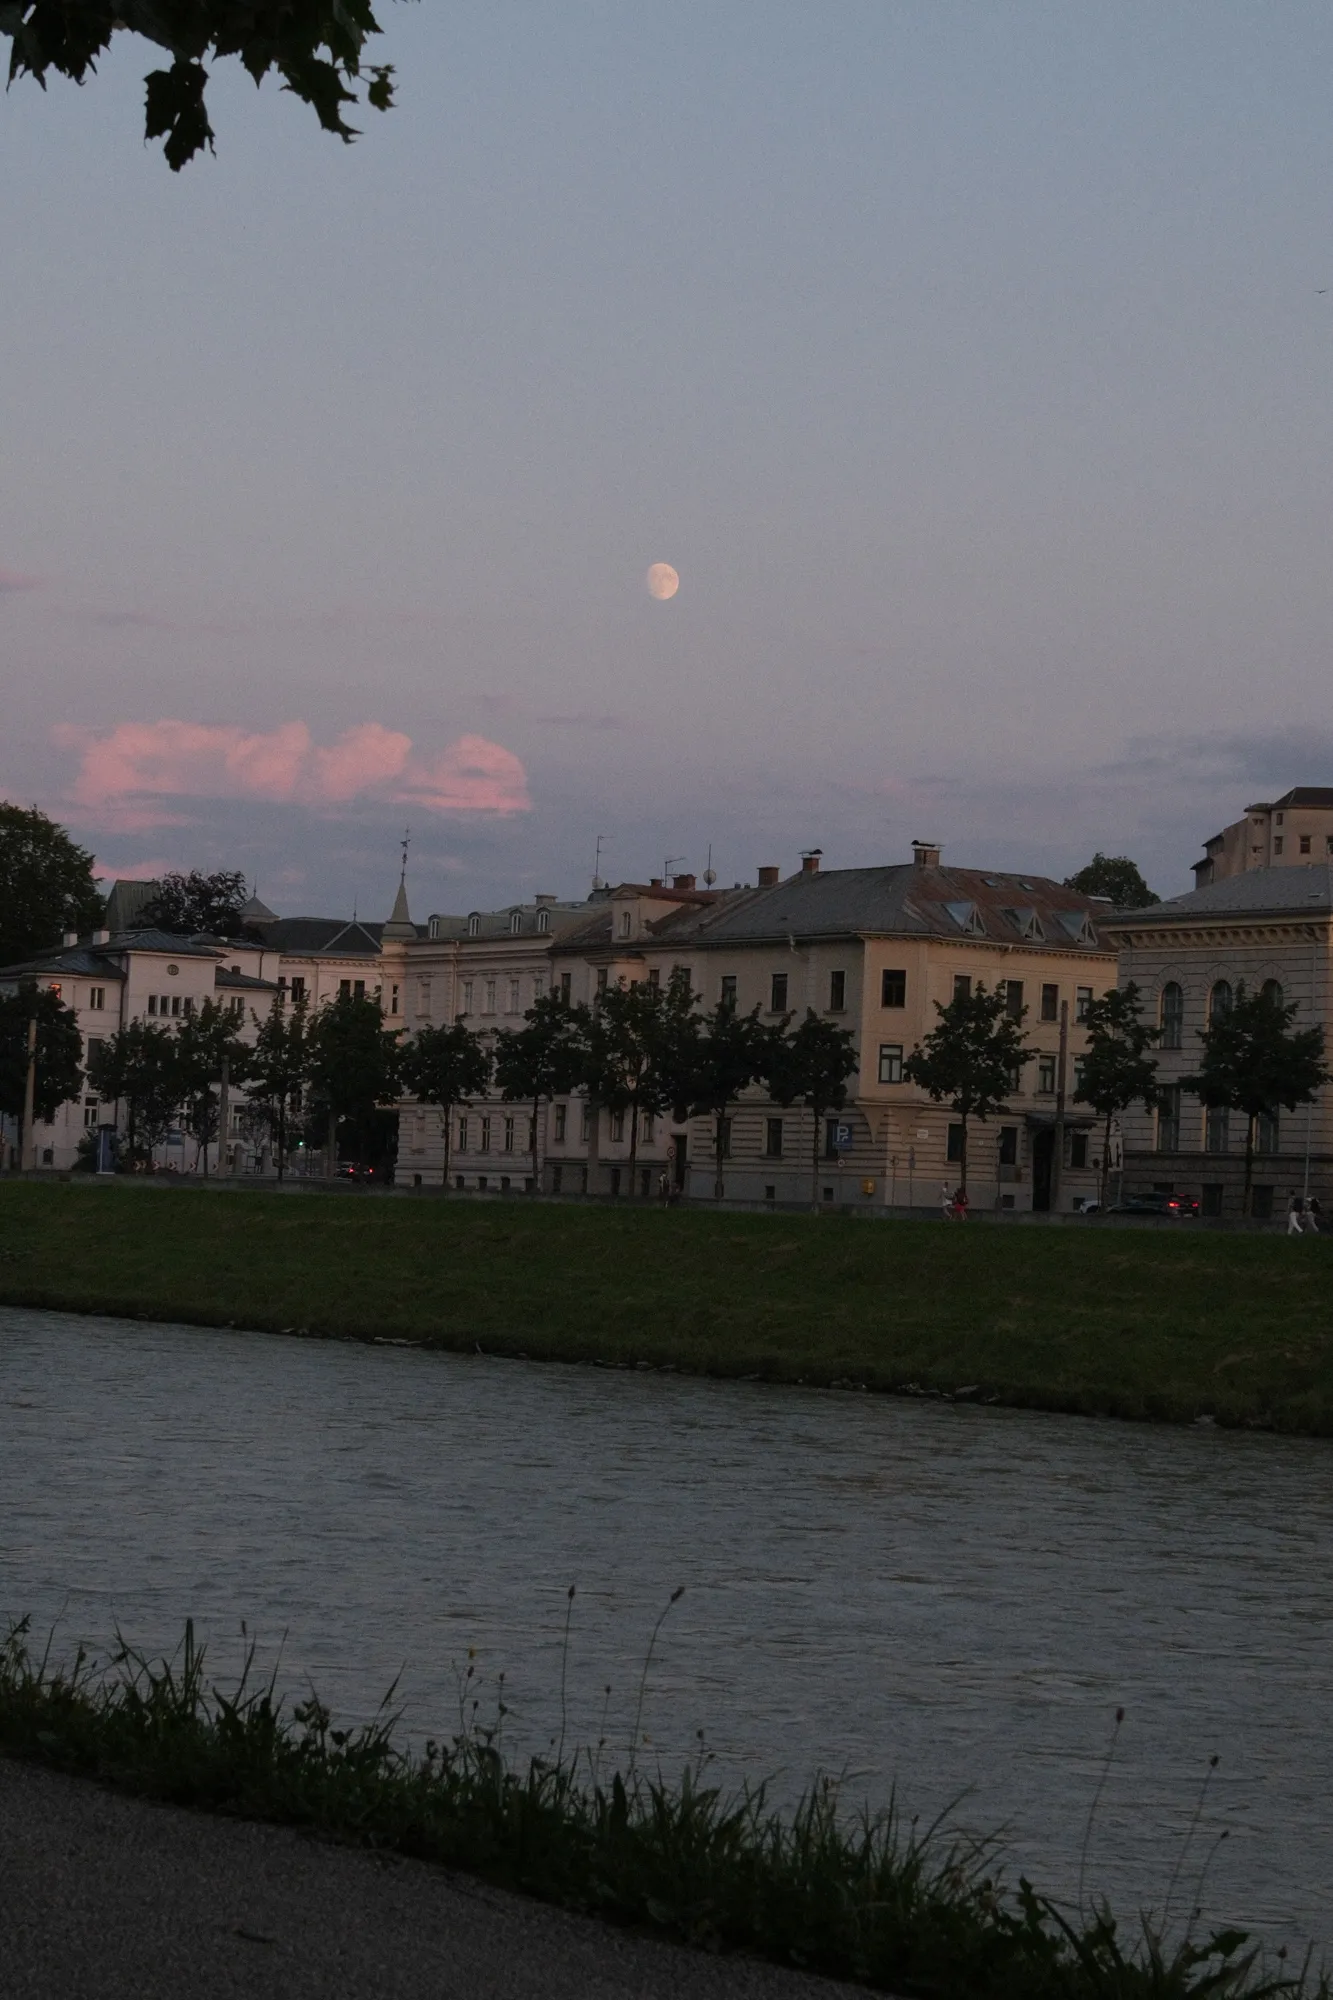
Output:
(970, 364)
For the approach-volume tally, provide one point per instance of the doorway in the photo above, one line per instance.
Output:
(1043, 1156)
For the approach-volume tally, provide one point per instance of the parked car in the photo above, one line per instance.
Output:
(353, 1170)
(1153, 1202)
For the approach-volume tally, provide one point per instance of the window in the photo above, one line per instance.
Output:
(962, 986)
(685, 974)
(1261, 1203)
(1219, 1000)
(890, 1062)
(358, 989)
(566, 986)
(298, 991)
(831, 1151)
(393, 999)
(1173, 1015)
(893, 989)
(1305, 843)
(344, 989)
(954, 1147)
(837, 992)
(1267, 1132)
(538, 987)
(1328, 842)
(467, 996)
(654, 976)
(509, 1135)
(97, 998)
(543, 922)
(1050, 1003)
(1168, 1120)
(489, 1007)
(617, 1127)
(433, 928)
(1211, 1202)
(777, 999)
(772, 1138)
(484, 1144)
(187, 1005)
(152, 1003)
(1016, 1078)
(601, 979)
(515, 1005)
(1273, 991)
(1080, 1064)
(585, 1122)
(1045, 1075)
(647, 1125)
(1078, 1149)
(561, 1120)
(90, 1114)
(627, 923)
(1008, 1145)
(1013, 999)
(462, 1135)
(176, 1004)
(474, 925)
(1277, 845)
(728, 990)
(515, 922)
(93, 1047)
(1082, 1002)
(1217, 1129)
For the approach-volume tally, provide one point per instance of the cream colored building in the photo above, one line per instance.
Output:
(1291, 832)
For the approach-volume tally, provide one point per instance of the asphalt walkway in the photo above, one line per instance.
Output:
(109, 1898)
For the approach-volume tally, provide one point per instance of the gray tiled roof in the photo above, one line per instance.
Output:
(494, 924)
(100, 959)
(906, 901)
(303, 937)
(87, 960)
(1302, 886)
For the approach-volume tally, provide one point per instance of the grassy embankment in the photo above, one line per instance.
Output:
(862, 1898)
(1170, 1324)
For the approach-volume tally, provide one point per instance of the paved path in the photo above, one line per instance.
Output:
(108, 1898)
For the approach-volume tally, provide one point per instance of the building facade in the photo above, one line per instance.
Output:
(1292, 832)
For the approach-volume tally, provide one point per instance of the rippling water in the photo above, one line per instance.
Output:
(950, 1599)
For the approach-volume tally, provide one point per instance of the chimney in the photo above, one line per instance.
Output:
(925, 854)
(68, 938)
(769, 877)
(656, 882)
(810, 861)
(682, 881)
(101, 937)
(545, 902)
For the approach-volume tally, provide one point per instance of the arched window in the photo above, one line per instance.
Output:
(1273, 991)
(1219, 1000)
(474, 925)
(543, 921)
(1173, 1015)
(515, 922)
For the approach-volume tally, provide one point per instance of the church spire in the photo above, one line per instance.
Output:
(400, 924)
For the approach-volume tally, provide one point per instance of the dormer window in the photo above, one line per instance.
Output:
(967, 917)
(1078, 925)
(627, 923)
(474, 925)
(515, 922)
(543, 922)
(433, 928)
(1028, 924)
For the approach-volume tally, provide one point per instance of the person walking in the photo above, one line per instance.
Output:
(1313, 1212)
(960, 1203)
(1295, 1215)
(946, 1201)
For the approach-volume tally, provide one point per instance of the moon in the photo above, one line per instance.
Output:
(663, 582)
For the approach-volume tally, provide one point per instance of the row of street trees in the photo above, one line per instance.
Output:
(1253, 1061)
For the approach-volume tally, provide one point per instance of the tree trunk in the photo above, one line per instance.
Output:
(962, 1158)
(331, 1146)
(633, 1143)
(1106, 1160)
(536, 1157)
(814, 1161)
(1249, 1164)
(719, 1140)
(448, 1111)
(282, 1137)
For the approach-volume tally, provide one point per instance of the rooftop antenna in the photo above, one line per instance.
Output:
(710, 873)
(673, 861)
(597, 882)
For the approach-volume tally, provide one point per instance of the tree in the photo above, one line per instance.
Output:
(1254, 1062)
(1117, 1069)
(315, 46)
(730, 1052)
(137, 1067)
(206, 1041)
(812, 1066)
(445, 1066)
(279, 1065)
(188, 904)
(353, 1067)
(59, 1064)
(1116, 876)
(46, 884)
(970, 1061)
(633, 1045)
(542, 1061)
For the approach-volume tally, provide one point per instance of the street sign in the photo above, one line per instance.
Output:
(842, 1138)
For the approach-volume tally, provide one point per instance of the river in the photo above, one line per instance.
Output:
(950, 1599)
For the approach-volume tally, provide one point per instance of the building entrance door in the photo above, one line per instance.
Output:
(1043, 1154)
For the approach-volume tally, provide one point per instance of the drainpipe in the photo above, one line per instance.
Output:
(1058, 1149)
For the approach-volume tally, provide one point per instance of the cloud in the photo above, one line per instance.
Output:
(12, 580)
(127, 775)
(134, 871)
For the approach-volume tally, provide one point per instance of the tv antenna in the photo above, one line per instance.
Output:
(597, 882)
(710, 873)
(673, 862)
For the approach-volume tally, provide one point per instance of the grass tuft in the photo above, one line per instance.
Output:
(863, 1897)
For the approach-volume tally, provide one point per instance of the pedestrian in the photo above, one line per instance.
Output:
(960, 1203)
(1295, 1213)
(946, 1201)
(1313, 1212)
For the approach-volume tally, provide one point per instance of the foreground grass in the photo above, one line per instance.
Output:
(867, 1899)
(1143, 1323)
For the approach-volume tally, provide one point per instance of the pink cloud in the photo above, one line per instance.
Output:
(125, 774)
(134, 871)
(11, 579)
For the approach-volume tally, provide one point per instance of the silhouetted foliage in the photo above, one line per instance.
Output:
(188, 904)
(59, 1071)
(46, 885)
(1116, 876)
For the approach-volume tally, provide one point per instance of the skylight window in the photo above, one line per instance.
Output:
(1077, 925)
(967, 917)
(1029, 923)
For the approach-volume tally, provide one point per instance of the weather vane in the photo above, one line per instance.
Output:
(405, 843)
